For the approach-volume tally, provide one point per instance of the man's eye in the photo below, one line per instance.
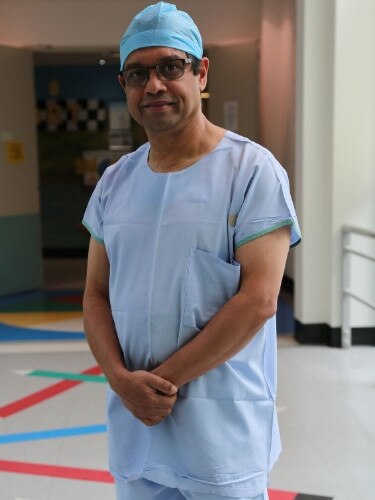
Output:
(135, 73)
(171, 67)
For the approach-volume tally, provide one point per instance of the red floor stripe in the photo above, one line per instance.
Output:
(40, 396)
(100, 476)
(281, 495)
(71, 299)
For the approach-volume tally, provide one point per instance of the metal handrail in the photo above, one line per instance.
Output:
(347, 293)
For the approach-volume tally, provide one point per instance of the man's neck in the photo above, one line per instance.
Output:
(173, 152)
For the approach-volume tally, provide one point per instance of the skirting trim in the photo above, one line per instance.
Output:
(321, 333)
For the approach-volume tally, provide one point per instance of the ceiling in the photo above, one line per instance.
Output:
(85, 31)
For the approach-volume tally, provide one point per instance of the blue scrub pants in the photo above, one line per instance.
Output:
(148, 490)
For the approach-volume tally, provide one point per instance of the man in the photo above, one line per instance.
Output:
(190, 234)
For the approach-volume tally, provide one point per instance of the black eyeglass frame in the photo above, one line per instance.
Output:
(156, 67)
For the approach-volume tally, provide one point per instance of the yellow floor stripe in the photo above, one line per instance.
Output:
(35, 318)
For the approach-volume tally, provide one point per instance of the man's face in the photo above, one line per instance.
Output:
(165, 106)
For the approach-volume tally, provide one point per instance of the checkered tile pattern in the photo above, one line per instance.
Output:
(68, 114)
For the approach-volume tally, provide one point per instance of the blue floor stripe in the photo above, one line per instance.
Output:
(9, 333)
(52, 434)
(18, 298)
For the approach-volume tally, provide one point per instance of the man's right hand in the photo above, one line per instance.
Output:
(148, 397)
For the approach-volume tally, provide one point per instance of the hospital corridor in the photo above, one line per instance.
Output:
(194, 147)
(53, 433)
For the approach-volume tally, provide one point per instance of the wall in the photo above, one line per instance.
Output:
(239, 85)
(79, 82)
(95, 23)
(314, 122)
(277, 78)
(354, 147)
(277, 87)
(335, 152)
(20, 253)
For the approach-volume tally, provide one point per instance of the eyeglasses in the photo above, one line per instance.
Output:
(169, 70)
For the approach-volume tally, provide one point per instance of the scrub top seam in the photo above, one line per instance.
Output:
(154, 466)
(219, 146)
(287, 222)
(157, 239)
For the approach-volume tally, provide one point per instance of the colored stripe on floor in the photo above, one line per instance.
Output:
(56, 471)
(43, 300)
(288, 495)
(281, 495)
(37, 318)
(71, 299)
(302, 496)
(52, 434)
(67, 376)
(103, 476)
(47, 393)
(9, 333)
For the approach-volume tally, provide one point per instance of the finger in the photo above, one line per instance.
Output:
(154, 420)
(165, 412)
(160, 406)
(161, 385)
(164, 402)
(149, 423)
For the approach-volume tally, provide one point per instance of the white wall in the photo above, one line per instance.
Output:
(354, 145)
(335, 151)
(314, 122)
(20, 241)
(19, 183)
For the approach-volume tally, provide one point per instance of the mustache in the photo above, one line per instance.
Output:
(157, 101)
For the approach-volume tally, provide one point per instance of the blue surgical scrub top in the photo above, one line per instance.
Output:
(170, 240)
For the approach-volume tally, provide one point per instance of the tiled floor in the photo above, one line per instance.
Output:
(327, 418)
(52, 437)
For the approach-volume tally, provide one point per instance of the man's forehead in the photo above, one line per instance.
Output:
(153, 55)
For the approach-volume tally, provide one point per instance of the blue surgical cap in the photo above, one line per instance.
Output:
(161, 25)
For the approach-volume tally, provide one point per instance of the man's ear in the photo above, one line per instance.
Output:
(203, 72)
(120, 78)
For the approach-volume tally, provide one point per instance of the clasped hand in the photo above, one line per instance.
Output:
(147, 396)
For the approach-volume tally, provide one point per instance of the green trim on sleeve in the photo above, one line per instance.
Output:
(96, 238)
(286, 222)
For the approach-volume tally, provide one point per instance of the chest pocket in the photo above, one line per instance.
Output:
(211, 282)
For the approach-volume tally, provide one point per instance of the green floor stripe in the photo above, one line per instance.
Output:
(41, 306)
(69, 376)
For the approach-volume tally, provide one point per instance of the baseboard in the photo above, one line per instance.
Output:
(65, 253)
(287, 284)
(321, 333)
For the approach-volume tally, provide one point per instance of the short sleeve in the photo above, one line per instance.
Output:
(93, 217)
(267, 204)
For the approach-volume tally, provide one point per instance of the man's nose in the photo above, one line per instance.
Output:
(154, 83)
